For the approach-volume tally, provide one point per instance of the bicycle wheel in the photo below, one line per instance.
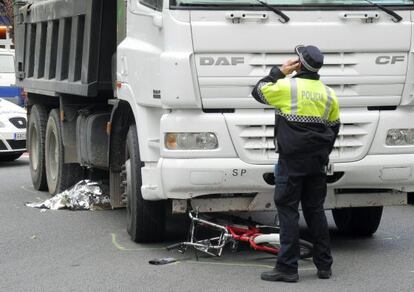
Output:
(305, 249)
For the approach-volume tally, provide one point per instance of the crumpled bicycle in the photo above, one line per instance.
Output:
(259, 237)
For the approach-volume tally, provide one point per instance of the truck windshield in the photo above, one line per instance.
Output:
(292, 2)
(6, 64)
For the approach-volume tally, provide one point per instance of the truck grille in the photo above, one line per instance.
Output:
(356, 81)
(335, 63)
(253, 137)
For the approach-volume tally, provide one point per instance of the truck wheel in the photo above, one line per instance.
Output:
(59, 175)
(145, 219)
(363, 221)
(36, 129)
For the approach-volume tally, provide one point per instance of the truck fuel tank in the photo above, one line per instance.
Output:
(92, 140)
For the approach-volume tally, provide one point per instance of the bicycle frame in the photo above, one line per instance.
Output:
(228, 234)
(211, 246)
(248, 235)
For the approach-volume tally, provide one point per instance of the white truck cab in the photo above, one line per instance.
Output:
(215, 53)
(182, 130)
(202, 59)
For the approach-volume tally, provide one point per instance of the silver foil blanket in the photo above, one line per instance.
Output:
(85, 195)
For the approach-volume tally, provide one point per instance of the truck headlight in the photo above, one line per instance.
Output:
(191, 141)
(398, 137)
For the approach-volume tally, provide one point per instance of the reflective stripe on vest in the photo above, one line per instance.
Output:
(293, 96)
(328, 103)
(301, 100)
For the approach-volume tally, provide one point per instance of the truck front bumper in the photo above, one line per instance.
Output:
(183, 179)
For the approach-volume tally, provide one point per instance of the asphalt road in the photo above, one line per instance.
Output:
(91, 251)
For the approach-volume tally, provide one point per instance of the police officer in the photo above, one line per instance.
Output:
(307, 124)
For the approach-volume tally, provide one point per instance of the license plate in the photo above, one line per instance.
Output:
(19, 136)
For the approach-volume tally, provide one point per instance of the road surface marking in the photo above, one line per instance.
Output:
(30, 191)
(389, 235)
(121, 248)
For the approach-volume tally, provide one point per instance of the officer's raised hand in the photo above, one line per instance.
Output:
(290, 65)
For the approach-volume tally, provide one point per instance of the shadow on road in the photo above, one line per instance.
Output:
(16, 163)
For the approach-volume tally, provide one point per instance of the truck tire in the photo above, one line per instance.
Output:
(36, 128)
(145, 219)
(363, 221)
(59, 175)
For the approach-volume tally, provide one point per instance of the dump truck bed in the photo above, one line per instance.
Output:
(65, 47)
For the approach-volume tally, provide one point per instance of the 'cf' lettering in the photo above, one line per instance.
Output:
(383, 60)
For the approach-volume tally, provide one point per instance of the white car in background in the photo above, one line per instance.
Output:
(7, 75)
(12, 130)
(8, 88)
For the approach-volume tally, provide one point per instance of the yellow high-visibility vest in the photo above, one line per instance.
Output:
(302, 100)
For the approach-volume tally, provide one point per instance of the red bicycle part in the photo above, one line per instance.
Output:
(248, 235)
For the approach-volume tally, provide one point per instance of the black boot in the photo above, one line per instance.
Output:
(275, 275)
(324, 274)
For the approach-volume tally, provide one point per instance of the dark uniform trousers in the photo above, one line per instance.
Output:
(301, 180)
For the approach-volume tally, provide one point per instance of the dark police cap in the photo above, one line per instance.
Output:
(310, 57)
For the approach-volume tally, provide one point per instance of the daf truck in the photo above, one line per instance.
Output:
(153, 97)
